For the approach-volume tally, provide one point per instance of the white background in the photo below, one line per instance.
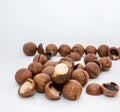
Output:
(86, 22)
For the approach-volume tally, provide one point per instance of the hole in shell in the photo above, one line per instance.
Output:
(48, 55)
(111, 86)
(114, 52)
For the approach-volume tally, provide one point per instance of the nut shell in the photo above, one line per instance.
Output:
(22, 74)
(27, 89)
(114, 53)
(51, 92)
(74, 56)
(61, 74)
(48, 70)
(90, 49)
(40, 58)
(68, 61)
(72, 90)
(80, 75)
(79, 49)
(77, 66)
(93, 69)
(50, 63)
(103, 50)
(52, 48)
(41, 80)
(35, 67)
(94, 89)
(106, 63)
(64, 50)
(40, 49)
(110, 89)
(90, 58)
(29, 48)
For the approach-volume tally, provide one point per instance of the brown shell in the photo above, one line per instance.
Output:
(106, 63)
(52, 48)
(78, 48)
(28, 91)
(94, 89)
(50, 63)
(74, 56)
(48, 70)
(51, 92)
(40, 49)
(64, 50)
(40, 58)
(41, 80)
(90, 49)
(68, 61)
(35, 67)
(72, 90)
(29, 48)
(114, 53)
(22, 74)
(81, 76)
(61, 79)
(93, 69)
(90, 58)
(103, 50)
(110, 89)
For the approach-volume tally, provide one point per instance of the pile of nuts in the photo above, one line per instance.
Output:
(64, 76)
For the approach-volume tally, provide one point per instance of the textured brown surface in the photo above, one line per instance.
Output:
(72, 90)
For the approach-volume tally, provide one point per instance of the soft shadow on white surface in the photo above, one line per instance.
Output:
(50, 21)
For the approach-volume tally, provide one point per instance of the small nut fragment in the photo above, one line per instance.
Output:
(64, 50)
(106, 63)
(35, 67)
(72, 90)
(52, 92)
(90, 58)
(40, 49)
(51, 48)
(27, 88)
(90, 49)
(48, 70)
(93, 69)
(79, 49)
(103, 50)
(74, 56)
(29, 48)
(41, 80)
(80, 75)
(22, 74)
(110, 89)
(114, 53)
(61, 73)
(94, 89)
(40, 58)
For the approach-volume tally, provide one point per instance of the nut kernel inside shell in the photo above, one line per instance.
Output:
(26, 86)
(60, 69)
(51, 91)
(54, 91)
